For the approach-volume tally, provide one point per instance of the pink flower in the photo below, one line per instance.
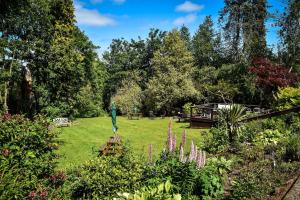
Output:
(5, 152)
(31, 195)
(7, 117)
(181, 154)
(174, 143)
(170, 139)
(183, 138)
(201, 157)
(192, 148)
(43, 194)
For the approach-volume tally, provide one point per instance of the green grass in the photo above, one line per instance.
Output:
(80, 141)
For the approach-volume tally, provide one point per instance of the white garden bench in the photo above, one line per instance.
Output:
(62, 122)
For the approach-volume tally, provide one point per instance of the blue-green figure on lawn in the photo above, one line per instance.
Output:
(114, 117)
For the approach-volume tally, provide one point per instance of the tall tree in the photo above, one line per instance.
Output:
(46, 58)
(203, 44)
(244, 27)
(172, 81)
(130, 59)
(290, 33)
(186, 36)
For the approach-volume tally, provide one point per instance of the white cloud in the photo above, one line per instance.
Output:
(92, 17)
(185, 20)
(119, 1)
(188, 6)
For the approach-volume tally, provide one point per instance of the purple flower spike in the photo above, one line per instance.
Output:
(191, 156)
(195, 153)
(170, 139)
(201, 159)
(174, 143)
(183, 138)
(181, 154)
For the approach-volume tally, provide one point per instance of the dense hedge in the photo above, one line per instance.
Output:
(27, 157)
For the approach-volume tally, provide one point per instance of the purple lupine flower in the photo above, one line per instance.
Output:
(174, 143)
(191, 156)
(201, 159)
(195, 153)
(150, 153)
(183, 138)
(169, 140)
(181, 153)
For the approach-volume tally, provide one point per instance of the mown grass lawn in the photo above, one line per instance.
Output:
(80, 141)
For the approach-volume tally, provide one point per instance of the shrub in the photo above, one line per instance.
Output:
(292, 147)
(162, 191)
(249, 131)
(27, 155)
(216, 140)
(287, 97)
(189, 180)
(104, 177)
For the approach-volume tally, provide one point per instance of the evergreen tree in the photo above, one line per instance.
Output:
(290, 33)
(203, 44)
(172, 81)
(186, 36)
(244, 26)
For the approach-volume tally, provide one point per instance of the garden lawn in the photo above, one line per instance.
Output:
(80, 141)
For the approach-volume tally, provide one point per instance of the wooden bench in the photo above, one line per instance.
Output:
(112, 147)
(134, 115)
(59, 122)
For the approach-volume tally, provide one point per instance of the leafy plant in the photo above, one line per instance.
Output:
(287, 97)
(292, 147)
(162, 191)
(231, 117)
(27, 155)
(104, 177)
(215, 140)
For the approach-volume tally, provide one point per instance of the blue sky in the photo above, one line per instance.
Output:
(104, 20)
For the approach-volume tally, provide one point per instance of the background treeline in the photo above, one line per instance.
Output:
(49, 66)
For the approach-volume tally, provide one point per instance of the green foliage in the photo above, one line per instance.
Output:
(104, 177)
(162, 191)
(60, 60)
(204, 44)
(27, 155)
(249, 131)
(289, 33)
(187, 108)
(245, 33)
(190, 181)
(247, 183)
(215, 140)
(128, 97)
(269, 137)
(172, 80)
(292, 147)
(231, 117)
(287, 97)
